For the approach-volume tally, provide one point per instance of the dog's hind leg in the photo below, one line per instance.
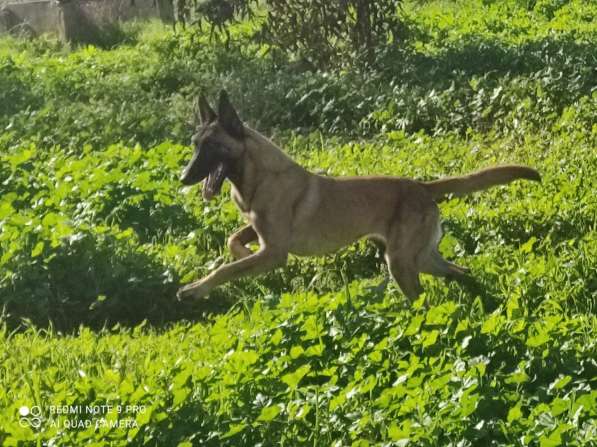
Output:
(404, 244)
(431, 261)
(434, 264)
(412, 233)
(237, 242)
(406, 275)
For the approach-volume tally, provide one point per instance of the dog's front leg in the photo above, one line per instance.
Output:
(267, 258)
(271, 225)
(237, 242)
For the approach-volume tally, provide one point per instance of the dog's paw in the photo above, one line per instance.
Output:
(193, 291)
(180, 294)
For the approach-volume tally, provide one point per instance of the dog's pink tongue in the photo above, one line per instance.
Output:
(212, 183)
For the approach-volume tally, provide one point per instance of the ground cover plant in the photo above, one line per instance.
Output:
(96, 234)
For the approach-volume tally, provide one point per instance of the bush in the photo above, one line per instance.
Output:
(316, 32)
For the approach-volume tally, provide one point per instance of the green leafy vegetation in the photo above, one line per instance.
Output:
(97, 233)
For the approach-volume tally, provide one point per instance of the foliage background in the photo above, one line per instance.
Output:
(96, 234)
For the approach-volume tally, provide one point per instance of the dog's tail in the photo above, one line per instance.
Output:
(477, 181)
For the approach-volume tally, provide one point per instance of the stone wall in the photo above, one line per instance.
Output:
(112, 10)
(36, 17)
(78, 21)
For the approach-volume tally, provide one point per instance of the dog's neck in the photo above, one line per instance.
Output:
(269, 156)
(260, 156)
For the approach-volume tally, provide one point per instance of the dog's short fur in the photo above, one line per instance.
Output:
(290, 210)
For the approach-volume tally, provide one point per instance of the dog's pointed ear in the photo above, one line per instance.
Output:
(204, 114)
(228, 117)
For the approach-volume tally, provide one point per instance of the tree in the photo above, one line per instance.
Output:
(320, 32)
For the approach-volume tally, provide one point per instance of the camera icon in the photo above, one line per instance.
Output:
(30, 417)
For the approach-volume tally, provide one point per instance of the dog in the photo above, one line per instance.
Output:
(291, 210)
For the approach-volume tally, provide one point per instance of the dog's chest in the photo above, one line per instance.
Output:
(243, 206)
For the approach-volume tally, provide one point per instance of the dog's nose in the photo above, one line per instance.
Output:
(185, 176)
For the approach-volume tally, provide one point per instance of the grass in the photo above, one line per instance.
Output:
(96, 234)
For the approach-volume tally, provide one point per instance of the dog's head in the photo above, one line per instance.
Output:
(218, 143)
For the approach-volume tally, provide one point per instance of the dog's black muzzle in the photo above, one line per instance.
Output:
(198, 168)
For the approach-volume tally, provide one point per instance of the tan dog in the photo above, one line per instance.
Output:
(290, 210)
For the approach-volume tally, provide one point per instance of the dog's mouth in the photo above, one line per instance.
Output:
(214, 181)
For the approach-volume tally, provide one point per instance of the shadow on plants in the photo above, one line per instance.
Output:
(94, 280)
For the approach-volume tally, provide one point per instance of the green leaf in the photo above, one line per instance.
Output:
(493, 324)
(527, 247)
(514, 413)
(396, 433)
(368, 384)
(293, 379)
(269, 413)
(234, 429)
(315, 350)
(143, 417)
(296, 351)
(179, 396)
(38, 249)
(537, 340)
(312, 328)
(553, 440)
(429, 338)
(415, 324)
(559, 406)
(276, 338)
(560, 382)
(6, 210)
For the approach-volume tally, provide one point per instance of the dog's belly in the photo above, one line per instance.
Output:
(312, 246)
(337, 213)
(323, 234)
(319, 228)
